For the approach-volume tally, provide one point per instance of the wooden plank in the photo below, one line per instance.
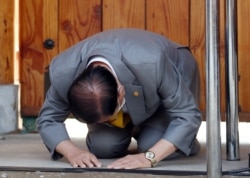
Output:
(198, 46)
(222, 25)
(78, 19)
(197, 43)
(169, 18)
(6, 41)
(244, 53)
(38, 22)
(123, 14)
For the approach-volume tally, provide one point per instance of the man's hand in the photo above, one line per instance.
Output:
(131, 162)
(80, 158)
(76, 156)
(162, 149)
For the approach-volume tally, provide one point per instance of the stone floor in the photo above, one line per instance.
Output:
(93, 175)
(24, 155)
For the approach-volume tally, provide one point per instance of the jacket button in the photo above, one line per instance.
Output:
(136, 93)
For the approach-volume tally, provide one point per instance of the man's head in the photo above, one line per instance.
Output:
(94, 95)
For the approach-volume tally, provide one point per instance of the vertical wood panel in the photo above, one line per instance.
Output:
(78, 19)
(6, 41)
(222, 25)
(38, 21)
(197, 43)
(169, 18)
(244, 53)
(123, 14)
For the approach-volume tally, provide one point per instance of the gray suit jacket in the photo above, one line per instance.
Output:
(162, 72)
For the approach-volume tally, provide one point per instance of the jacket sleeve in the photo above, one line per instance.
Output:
(181, 106)
(50, 122)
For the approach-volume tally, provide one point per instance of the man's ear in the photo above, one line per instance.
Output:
(121, 93)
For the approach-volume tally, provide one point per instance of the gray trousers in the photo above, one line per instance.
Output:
(106, 141)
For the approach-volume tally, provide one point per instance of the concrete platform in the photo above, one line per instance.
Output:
(24, 155)
(8, 108)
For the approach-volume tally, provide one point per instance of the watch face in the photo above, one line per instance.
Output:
(150, 155)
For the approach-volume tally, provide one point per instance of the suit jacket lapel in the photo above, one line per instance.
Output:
(135, 103)
(133, 92)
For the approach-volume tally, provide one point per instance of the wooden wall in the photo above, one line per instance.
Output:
(68, 21)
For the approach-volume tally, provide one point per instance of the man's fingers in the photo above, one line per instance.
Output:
(80, 163)
(83, 163)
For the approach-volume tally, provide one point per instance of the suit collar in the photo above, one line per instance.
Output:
(133, 91)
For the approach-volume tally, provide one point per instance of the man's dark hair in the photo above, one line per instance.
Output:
(93, 94)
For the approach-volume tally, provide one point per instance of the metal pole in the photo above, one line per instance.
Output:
(214, 164)
(232, 117)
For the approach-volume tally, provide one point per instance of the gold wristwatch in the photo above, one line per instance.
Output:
(149, 155)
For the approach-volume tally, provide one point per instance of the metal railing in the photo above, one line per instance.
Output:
(214, 162)
(214, 165)
(232, 117)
